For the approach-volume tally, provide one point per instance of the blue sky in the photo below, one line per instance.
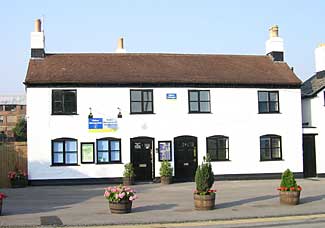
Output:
(169, 26)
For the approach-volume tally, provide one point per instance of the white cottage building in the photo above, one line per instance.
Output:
(89, 114)
(313, 112)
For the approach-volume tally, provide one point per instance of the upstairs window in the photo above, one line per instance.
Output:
(270, 147)
(10, 108)
(218, 148)
(141, 101)
(64, 102)
(64, 151)
(199, 101)
(1, 120)
(268, 101)
(108, 150)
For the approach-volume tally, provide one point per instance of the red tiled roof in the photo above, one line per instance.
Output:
(158, 68)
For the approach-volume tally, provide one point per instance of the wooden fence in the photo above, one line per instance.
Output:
(12, 154)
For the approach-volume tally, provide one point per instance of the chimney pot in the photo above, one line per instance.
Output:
(120, 46)
(274, 31)
(320, 57)
(38, 25)
(274, 45)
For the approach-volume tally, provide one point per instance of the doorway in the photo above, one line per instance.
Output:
(309, 155)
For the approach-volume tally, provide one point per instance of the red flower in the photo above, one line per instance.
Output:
(2, 196)
(299, 188)
(292, 189)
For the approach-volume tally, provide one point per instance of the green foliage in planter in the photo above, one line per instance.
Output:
(165, 169)
(288, 180)
(204, 177)
(128, 170)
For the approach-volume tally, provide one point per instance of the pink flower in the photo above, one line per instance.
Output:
(131, 198)
(106, 194)
(121, 195)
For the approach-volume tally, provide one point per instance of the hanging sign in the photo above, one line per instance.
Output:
(102, 125)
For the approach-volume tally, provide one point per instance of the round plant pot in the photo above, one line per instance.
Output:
(18, 182)
(0, 206)
(204, 202)
(122, 207)
(127, 181)
(166, 180)
(289, 198)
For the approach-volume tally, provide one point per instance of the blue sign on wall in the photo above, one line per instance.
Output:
(95, 123)
(172, 96)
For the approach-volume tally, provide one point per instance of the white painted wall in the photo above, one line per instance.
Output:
(234, 114)
(314, 109)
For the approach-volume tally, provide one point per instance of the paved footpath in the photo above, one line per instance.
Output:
(85, 204)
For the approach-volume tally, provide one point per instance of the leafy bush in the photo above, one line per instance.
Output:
(165, 169)
(20, 130)
(204, 178)
(128, 170)
(288, 182)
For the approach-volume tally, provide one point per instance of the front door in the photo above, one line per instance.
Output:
(309, 155)
(142, 157)
(185, 148)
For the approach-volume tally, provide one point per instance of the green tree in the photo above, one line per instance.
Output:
(20, 130)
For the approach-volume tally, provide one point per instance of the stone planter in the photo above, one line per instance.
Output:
(204, 202)
(19, 182)
(127, 181)
(166, 180)
(289, 198)
(122, 207)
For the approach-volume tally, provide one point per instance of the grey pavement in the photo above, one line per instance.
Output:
(86, 205)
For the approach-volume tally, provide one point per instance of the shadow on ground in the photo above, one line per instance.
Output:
(155, 207)
(245, 201)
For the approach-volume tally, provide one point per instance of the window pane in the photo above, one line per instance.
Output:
(194, 106)
(263, 107)
(136, 107)
(204, 95)
(204, 106)
(115, 145)
(222, 142)
(10, 108)
(102, 156)
(212, 144)
(57, 95)
(71, 158)
(57, 107)
(213, 154)
(276, 153)
(115, 155)
(58, 158)
(276, 142)
(222, 154)
(274, 106)
(70, 145)
(265, 154)
(147, 95)
(147, 106)
(263, 96)
(194, 96)
(274, 96)
(265, 142)
(135, 95)
(102, 145)
(58, 147)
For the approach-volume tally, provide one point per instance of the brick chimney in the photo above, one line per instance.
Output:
(37, 41)
(274, 45)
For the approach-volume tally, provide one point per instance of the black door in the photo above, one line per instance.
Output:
(185, 148)
(142, 157)
(309, 155)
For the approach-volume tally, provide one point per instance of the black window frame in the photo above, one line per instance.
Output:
(63, 140)
(271, 137)
(10, 108)
(142, 101)
(268, 102)
(109, 139)
(216, 138)
(62, 93)
(199, 101)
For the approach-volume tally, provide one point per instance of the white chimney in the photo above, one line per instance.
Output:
(274, 45)
(320, 57)
(120, 46)
(37, 41)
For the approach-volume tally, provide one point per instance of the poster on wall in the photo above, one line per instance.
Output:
(164, 150)
(102, 125)
(87, 153)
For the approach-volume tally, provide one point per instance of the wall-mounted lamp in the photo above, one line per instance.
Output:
(119, 115)
(90, 114)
